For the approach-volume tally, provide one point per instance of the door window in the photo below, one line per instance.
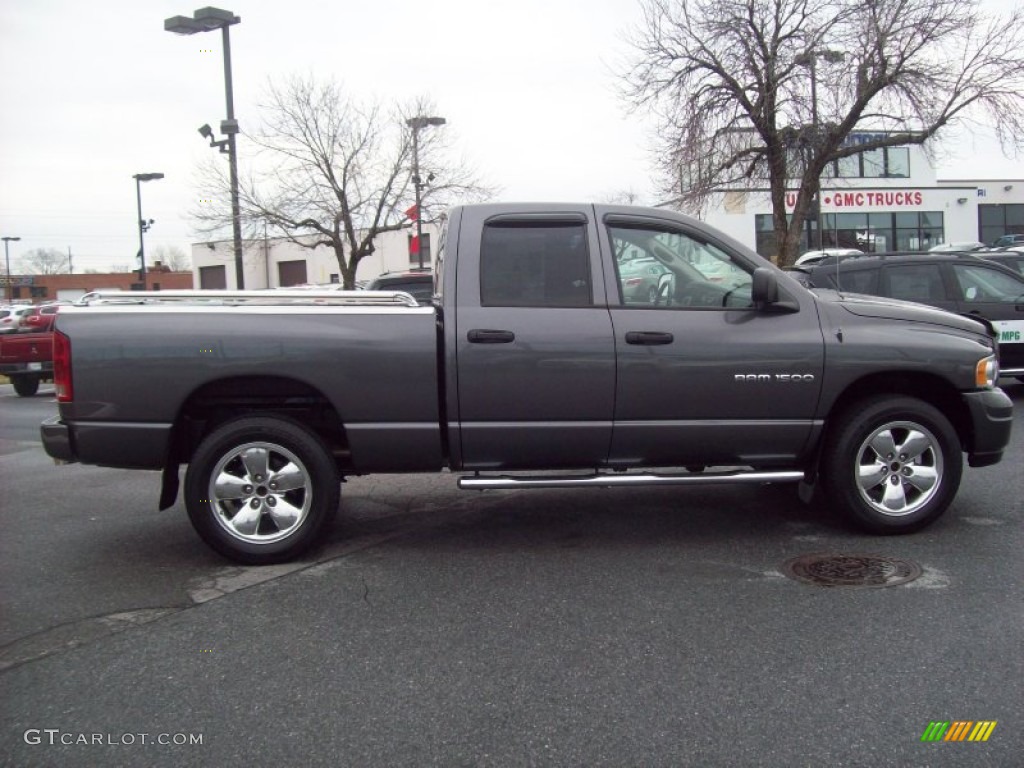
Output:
(535, 265)
(978, 284)
(668, 269)
(916, 282)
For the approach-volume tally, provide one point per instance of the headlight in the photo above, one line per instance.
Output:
(986, 372)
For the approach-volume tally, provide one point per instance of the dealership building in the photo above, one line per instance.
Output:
(880, 200)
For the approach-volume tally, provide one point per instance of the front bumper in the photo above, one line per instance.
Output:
(991, 420)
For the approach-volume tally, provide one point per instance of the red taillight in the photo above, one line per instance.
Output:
(62, 367)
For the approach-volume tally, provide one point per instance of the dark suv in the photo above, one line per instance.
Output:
(1011, 257)
(958, 282)
(418, 283)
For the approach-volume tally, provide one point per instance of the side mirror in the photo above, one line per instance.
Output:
(765, 288)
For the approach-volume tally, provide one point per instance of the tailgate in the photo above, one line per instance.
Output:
(26, 348)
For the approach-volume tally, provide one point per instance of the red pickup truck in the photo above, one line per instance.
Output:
(26, 356)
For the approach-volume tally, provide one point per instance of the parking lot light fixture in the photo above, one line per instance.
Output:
(143, 224)
(206, 20)
(416, 124)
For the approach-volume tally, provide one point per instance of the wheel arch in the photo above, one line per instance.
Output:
(929, 388)
(223, 400)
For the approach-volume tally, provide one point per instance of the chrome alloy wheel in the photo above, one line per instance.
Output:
(899, 468)
(260, 492)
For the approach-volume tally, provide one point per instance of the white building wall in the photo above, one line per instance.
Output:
(261, 258)
(735, 212)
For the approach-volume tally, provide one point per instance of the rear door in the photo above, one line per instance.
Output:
(535, 354)
(923, 283)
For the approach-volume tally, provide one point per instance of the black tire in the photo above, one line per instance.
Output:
(25, 385)
(269, 506)
(877, 486)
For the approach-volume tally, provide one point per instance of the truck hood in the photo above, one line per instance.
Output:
(910, 311)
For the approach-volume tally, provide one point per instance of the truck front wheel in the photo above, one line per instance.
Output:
(25, 385)
(893, 464)
(261, 489)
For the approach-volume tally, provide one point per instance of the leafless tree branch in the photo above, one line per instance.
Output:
(728, 82)
(332, 171)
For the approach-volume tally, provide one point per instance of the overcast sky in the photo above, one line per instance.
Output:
(93, 93)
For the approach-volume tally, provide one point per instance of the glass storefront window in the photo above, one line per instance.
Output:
(904, 220)
(874, 163)
(930, 237)
(1014, 215)
(852, 220)
(881, 220)
(897, 162)
(991, 215)
(849, 167)
(882, 163)
(875, 232)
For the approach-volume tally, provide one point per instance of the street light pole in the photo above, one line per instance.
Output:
(207, 20)
(417, 124)
(809, 59)
(7, 261)
(143, 224)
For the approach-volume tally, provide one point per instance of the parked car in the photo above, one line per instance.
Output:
(639, 279)
(39, 318)
(419, 284)
(10, 317)
(27, 359)
(1011, 257)
(962, 283)
(814, 257)
(1005, 240)
(962, 246)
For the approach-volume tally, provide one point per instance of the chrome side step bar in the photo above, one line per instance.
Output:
(607, 480)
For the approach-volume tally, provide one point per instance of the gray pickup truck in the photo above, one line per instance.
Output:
(566, 345)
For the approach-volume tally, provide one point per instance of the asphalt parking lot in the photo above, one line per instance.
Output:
(440, 627)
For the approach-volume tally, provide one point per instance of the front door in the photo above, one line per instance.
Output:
(703, 375)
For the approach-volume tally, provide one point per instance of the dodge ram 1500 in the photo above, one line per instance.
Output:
(537, 364)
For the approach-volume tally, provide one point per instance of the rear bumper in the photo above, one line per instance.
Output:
(991, 415)
(122, 445)
(44, 367)
(56, 439)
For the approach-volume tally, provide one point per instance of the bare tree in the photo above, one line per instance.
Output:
(335, 172)
(172, 257)
(44, 261)
(622, 197)
(729, 81)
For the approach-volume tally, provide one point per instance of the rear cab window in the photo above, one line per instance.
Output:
(535, 264)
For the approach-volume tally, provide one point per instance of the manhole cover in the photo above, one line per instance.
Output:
(832, 570)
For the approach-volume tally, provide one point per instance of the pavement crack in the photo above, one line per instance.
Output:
(64, 637)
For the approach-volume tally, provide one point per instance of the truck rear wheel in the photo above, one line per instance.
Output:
(261, 489)
(25, 385)
(893, 465)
